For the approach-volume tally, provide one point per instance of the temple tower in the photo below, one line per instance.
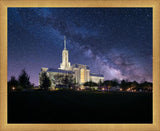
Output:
(65, 65)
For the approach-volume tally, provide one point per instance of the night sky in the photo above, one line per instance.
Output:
(116, 42)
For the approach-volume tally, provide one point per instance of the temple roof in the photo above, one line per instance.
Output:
(93, 74)
(59, 70)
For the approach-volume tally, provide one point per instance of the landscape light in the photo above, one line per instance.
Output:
(103, 89)
(13, 88)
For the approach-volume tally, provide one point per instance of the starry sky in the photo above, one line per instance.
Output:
(115, 42)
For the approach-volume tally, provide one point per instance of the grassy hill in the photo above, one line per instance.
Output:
(79, 107)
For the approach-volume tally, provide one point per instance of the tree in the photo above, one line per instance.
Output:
(115, 83)
(127, 85)
(74, 84)
(135, 85)
(108, 83)
(90, 84)
(146, 86)
(100, 83)
(68, 80)
(24, 80)
(124, 85)
(58, 79)
(45, 81)
(12, 84)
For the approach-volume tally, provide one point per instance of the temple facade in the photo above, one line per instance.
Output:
(81, 73)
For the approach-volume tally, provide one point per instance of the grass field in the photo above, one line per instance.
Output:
(79, 107)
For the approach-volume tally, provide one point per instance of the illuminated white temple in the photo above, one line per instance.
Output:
(80, 72)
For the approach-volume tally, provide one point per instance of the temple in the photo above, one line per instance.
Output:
(81, 73)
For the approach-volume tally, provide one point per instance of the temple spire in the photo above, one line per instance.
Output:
(64, 42)
(65, 65)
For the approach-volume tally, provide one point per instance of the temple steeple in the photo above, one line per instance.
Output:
(64, 43)
(65, 65)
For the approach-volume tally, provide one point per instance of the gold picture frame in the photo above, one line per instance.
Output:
(4, 4)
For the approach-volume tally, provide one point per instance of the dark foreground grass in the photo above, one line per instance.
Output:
(79, 107)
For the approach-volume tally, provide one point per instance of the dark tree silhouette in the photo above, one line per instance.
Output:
(24, 80)
(111, 83)
(90, 84)
(45, 81)
(108, 83)
(68, 80)
(125, 84)
(146, 86)
(135, 85)
(100, 83)
(115, 82)
(13, 83)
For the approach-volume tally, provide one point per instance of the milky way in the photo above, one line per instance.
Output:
(116, 42)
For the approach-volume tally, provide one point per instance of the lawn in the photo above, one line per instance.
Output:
(79, 107)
